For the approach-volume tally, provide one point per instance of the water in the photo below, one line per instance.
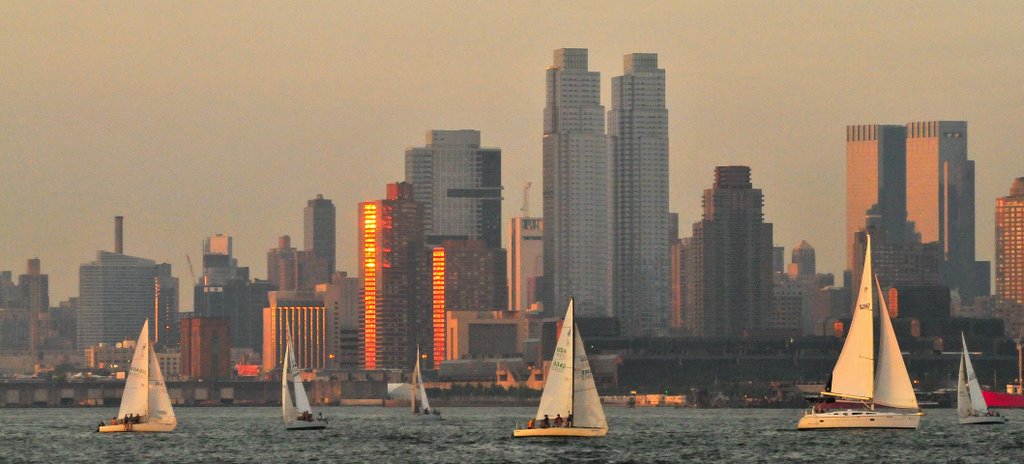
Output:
(470, 435)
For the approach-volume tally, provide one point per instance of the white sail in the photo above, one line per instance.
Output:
(892, 382)
(301, 401)
(135, 400)
(160, 409)
(418, 384)
(557, 396)
(977, 400)
(587, 410)
(963, 394)
(288, 412)
(853, 375)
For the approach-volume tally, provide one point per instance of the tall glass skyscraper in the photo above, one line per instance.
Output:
(576, 226)
(638, 145)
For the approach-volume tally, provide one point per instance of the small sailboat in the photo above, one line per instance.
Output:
(145, 404)
(569, 405)
(418, 390)
(970, 404)
(856, 379)
(297, 413)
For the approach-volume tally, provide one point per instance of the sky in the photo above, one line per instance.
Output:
(197, 118)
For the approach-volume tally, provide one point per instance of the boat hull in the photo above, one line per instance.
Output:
(427, 417)
(306, 426)
(978, 420)
(560, 432)
(852, 419)
(155, 427)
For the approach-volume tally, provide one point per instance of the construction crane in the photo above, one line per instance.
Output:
(190, 271)
(526, 200)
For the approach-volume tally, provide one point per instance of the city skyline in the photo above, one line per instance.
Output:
(188, 139)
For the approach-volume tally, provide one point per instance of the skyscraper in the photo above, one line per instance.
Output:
(117, 293)
(395, 272)
(459, 185)
(940, 201)
(302, 313)
(638, 142)
(281, 265)
(876, 182)
(316, 262)
(341, 303)
(732, 256)
(35, 292)
(526, 261)
(1010, 244)
(575, 189)
(224, 290)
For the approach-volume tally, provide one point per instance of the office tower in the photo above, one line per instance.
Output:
(803, 262)
(638, 153)
(732, 259)
(117, 293)
(466, 276)
(526, 262)
(316, 262)
(341, 301)
(898, 264)
(675, 249)
(165, 308)
(576, 229)
(303, 314)
(281, 265)
(395, 272)
(224, 290)
(1010, 244)
(940, 201)
(876, 182)
(205, 348)
(35, 295)
(459, 185)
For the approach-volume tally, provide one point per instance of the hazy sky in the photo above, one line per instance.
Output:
(193, 119)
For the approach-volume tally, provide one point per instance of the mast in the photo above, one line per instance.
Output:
(572, 358)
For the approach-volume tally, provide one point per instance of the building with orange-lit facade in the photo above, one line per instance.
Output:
(466, 275)
(304, 315)
(1010, 244)
(394, 270)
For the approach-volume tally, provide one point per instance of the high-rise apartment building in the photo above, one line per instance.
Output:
(1010, 244)
(940, 201)
(526, 262)
(316, 262)
(576, 230)
(341, 303)
(117, 293)
(395, 273)
(876, 182)
(638, 151)
(459, 185)
(731, 251)
(281, 265)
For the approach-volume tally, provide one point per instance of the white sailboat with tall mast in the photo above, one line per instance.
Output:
(857, 379)
(419, 391)
(297, 413)
(970, 404)
(145, 404)
(569, 392)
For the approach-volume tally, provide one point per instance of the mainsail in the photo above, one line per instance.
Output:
(853, 375)
(977, 402)
(135, 400)
(288, 411)
(419, 389)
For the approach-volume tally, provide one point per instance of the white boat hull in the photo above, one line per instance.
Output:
(561, 432)
(971, 420)
(859, 419)
(154, 427)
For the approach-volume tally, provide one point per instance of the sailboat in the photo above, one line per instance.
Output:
(419, 390)
(855, 377)
(145, 404)
(569, 392)
(970, 404)
(297, 414)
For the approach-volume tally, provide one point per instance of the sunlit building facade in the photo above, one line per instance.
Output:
(304, 315)
(526, 262)
(1010, 244)
(395, 275)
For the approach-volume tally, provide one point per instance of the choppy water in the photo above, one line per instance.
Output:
(469, 435)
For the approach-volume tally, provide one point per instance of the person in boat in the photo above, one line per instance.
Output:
(568, 420)
(426, 411)
(436, 412)
(558, 420)
(545, 423)
(529, 423)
